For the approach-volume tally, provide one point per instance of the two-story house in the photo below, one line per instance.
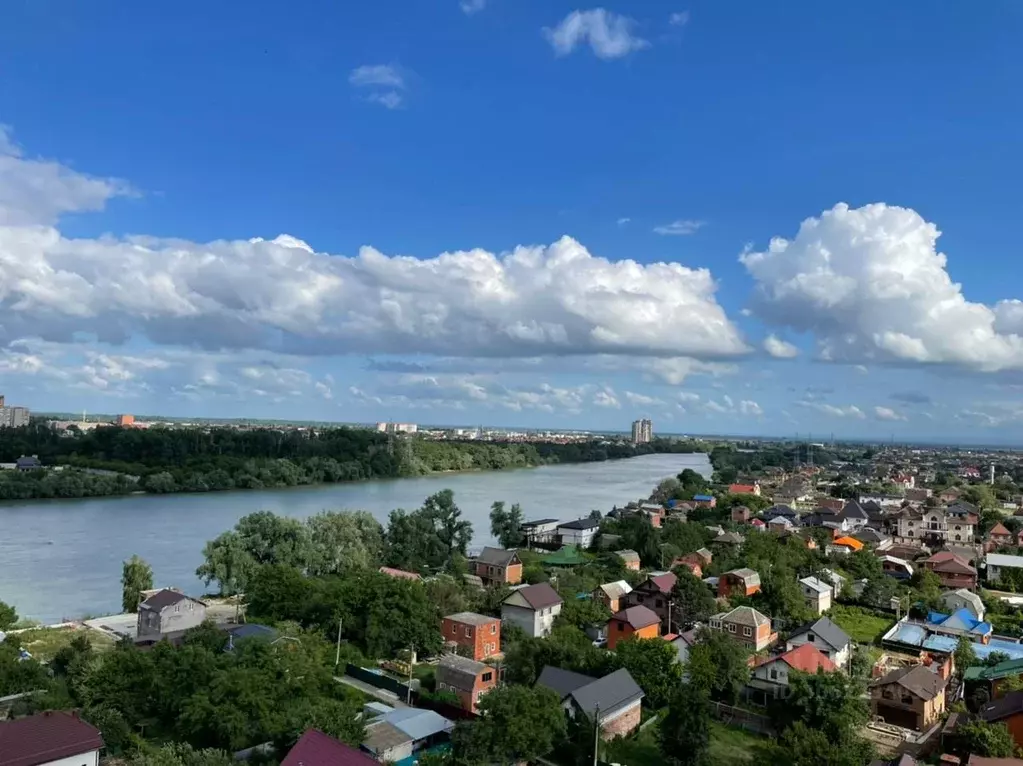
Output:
(770, 679)
(610, 594)
(496, 566)
(998, 537)
(167, 614)
(817, 594)
(580, 532)
(829, 639)
(53, 738)
(952, 571)
(853, 515)
(655, 594)
(964, 599)
(629, 558)
(467, 679)
(954, 524)
(540, 531)
(738, 582)
(997, 563)
(911, 697)
(634, 622)
(478, 635)
(533, 608)
(747, 626)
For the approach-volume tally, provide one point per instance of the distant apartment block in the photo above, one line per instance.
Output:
(13, 417)
(397, 428)
(125, 420)
(642, 431)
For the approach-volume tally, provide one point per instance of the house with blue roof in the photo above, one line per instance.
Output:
(707, 501)
(960, 623)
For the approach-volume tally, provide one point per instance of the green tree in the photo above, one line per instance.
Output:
(136, 576)
(8, 616)
(653, 665)
(345, 540)
(928, 587)
(411, 541)
(802, 745)
(453, 532)
(692, 601)
(506, 524)
(516, 723)
(832, 703)
(988, 740)
(685, 730)
(227, 562)
(666, 489)
(179, 754)
(964, 656)
(718, 665)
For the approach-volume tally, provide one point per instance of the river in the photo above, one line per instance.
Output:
(62, 558)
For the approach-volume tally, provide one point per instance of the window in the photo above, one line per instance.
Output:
(493, 629)
(621, 627)
(731, 628)
(810, 637)
(640, 598)
(774, 674)
(454, 629)
(747, 631)
(907, 699)
(659, 604)
(488, 676)
(468, 632)
(887, 694)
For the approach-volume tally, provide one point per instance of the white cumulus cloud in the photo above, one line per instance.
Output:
(779, 348)
(382, 75)
(870, 284)
(609, 35)
(642, 400)
(887, 413)
(850, 411)
(679, 19)
(680, 228)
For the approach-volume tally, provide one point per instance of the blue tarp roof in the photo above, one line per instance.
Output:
(961, 619)
(703, 497)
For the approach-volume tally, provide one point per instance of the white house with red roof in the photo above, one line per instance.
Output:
(53, 738)
(772, 676)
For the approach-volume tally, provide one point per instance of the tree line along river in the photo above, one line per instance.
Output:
(62, 558)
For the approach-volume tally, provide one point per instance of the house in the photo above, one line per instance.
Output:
(540, 531)
(964, 599)
(638, 621)
(956, 523)
(869, 536)
(532, 608)
(817, 594)
(779, 524)
(758, 525)
(53, 738)
(895, 567)
(950, 495)
(580, 532)
(478, 635)
(780, 510)
(729, 538)
(738, 582)
(918, 494)
(744, 489)
(833, 642)
(747, 626)
(630, 558)
(401, 574)
(836, 580)
(1007, 710)
(314, 748)
(654, 514)
(611, 594)
(982, 760)
(614, 700)
(682, 642)
(689, 565)
(848, 542)
(951, 570)
(496, 566)
(959, 623)
(467, 679)
(986, 682)
(168, 612)
(400, 733)
(740, 514)
(996, 563)
(770, 679)
(655, 594)
(911, 697)
(998, 537)
(28, 463)
(706, 501)
(854, 516)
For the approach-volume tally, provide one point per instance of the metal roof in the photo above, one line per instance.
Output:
(562, 682)
(418, 724)
(829, 632)
(607, 695)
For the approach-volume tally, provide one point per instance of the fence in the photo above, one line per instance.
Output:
(381, 681)
(744, 719)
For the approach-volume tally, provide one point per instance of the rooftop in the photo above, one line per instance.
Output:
(471, 618)
(314, 748)
(46, 737)
(637, 617)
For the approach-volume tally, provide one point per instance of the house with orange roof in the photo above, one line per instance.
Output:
(997, 537)
(844, 545)
(770, 678)
(744, 489)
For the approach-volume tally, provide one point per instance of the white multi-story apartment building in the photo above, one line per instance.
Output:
(642, 431)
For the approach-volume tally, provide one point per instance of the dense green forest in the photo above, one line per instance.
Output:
(112, 460)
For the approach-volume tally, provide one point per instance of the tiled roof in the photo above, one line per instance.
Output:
(999, 529)
(744, 615)
(916, 679)
(46, 737)
(164, 598)
(497, 557)
(315, 748)
(747, 575)
(850, 542)
(665, 582)
(828, 631)
(808, 658)
(539, 596)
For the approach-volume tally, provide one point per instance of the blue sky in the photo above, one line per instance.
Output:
(721, 215)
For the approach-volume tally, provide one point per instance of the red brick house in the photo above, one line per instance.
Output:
(614, 700)
(740, 514)
(478, 635)
(952, 570)
(686, 563)
(496, 566)
(738, 582)
(467, 679)
(655, 594)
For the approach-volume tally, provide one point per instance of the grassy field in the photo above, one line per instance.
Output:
(862, 626)
(728, 746)
(44, 643)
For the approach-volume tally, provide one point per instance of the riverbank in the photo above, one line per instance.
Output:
(63, 558)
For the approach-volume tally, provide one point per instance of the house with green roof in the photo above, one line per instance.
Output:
(983, 683)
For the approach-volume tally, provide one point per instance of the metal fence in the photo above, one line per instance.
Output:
(381, 681)
(744, 719)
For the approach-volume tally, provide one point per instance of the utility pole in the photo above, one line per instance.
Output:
(596, 733)
(408, 688)
(337, 654)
